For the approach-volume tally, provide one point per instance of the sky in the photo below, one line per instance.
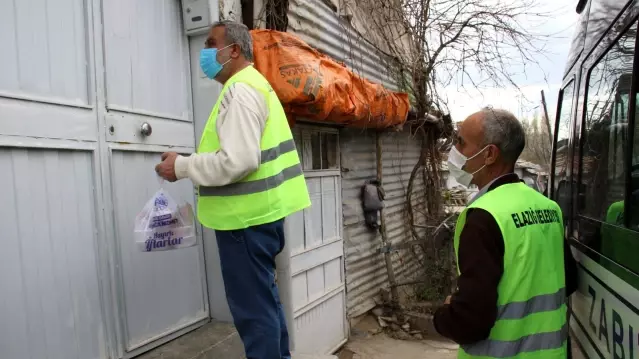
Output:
(524, 103)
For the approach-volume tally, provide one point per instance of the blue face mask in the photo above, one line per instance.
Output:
(209, 64)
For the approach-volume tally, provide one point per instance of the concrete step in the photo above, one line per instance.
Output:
(215, 340)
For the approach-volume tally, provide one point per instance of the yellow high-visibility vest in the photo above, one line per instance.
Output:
(276, 190)
(531, 304)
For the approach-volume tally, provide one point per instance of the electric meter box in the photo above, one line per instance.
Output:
(197, 16)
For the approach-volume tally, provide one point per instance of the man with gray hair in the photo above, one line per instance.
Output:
(515, 269)
(249, 179)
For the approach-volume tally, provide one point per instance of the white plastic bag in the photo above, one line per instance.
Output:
(163, 225)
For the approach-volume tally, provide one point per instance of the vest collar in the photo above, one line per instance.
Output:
(250, 66)
(501, 180)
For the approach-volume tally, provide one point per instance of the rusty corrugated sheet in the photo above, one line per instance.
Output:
(322, 28)
(365, 269)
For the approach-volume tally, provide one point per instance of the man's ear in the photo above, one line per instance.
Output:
(492, 153)
(235, 51)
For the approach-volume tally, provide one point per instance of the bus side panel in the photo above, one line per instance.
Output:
(605, 320)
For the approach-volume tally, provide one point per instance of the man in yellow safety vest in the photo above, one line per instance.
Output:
(249, 179)
(511, 252)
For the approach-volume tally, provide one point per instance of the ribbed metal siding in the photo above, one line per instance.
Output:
(48, 265)
(365, 268)
(321, 27)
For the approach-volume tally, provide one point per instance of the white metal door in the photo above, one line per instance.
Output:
(147, 81)
(317, 248)
(78, 78)
(49, 265)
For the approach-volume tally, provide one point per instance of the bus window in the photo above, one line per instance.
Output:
(560, 187)
(604, 215)
(633, 205)
(606, 130)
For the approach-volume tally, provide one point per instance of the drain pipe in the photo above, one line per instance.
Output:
(285, 284)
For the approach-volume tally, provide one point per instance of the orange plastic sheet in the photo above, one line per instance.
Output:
(314, 86)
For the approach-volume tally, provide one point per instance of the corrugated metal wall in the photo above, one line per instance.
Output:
(319, 26)
(365, 268)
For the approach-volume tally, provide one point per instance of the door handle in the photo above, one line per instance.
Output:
(146, 129)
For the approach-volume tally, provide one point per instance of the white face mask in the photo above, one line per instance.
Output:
(456, 163)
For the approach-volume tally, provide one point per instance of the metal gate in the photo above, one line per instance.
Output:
(317, 247)
(79, 79)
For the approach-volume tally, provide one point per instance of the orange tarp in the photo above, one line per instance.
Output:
(313, 86)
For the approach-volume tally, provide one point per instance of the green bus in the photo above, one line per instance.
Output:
(595, 176)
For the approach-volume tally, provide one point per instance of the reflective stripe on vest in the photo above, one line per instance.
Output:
(540, 303)
(531, 313)
(534, 342)
(268, 155)
(249, 187)
(529, 343)
(275, 190)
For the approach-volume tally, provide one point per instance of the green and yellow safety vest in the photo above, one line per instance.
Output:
(276, 190)
(531, 304)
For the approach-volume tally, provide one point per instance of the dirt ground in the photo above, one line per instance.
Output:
(381, 346)
(368, 342)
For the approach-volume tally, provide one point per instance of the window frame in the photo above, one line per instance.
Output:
(560, 107)
(298, 135)
(632, 112)
(591, 65)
